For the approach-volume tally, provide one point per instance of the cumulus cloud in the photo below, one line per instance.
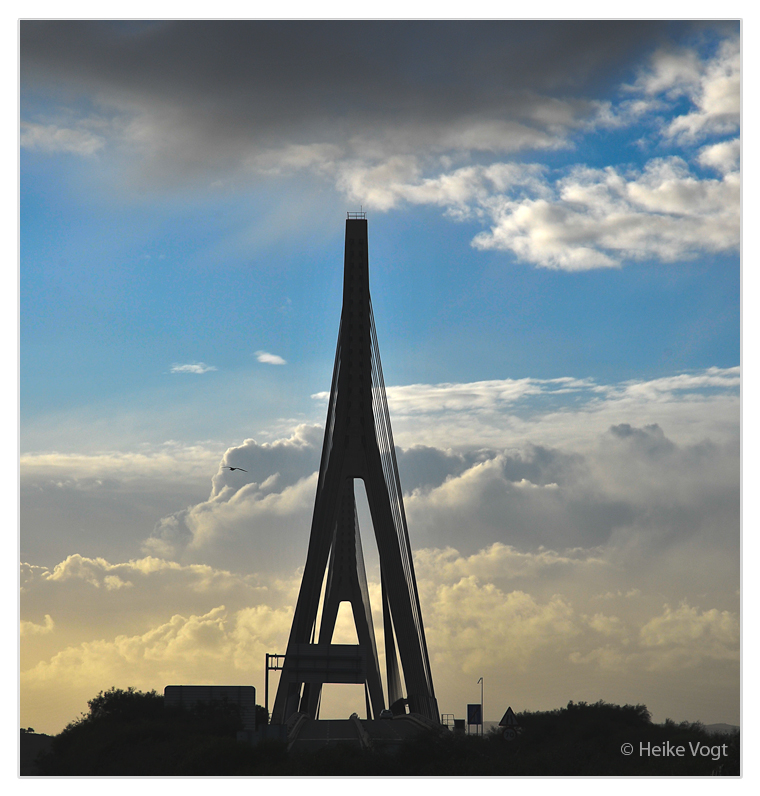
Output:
(496, 611)
(193, 367)
(271, 500)
(723, 157)
(269, 359)
(708, 81)
(215, 647)
(590, 218)
(30, 628)
(712, 85)
(601, 217)
(635, 487)
(508, 441)
(562, 463)
(82, 496)
(715, 630)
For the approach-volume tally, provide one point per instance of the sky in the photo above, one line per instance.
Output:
(553, 216)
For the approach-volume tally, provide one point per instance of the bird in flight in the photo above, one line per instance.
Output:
(233, 468)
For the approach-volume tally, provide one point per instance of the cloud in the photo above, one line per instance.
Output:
(500, 562)
(635, 488)
(54, 138)
(194, 367)
(714, 630)
(173, 624)
(411, 88)
(30, 628)
(506, 441)
(723, 157)
(590, 218)
(562, 412)
(386, 136)
(529, 611)
(476, 623)
(473, 396)
(562, 463)
(710, 82)
(602, 217)
(269, 359)
(215, 647)
(715, 93)
(108, 499)
(271, 500)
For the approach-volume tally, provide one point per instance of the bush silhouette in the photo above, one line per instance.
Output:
(132, 733)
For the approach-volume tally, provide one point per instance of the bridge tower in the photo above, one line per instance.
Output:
(358, 443)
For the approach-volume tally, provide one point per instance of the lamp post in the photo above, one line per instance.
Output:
(482, 714)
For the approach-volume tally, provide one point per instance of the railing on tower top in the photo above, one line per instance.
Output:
(356, 215)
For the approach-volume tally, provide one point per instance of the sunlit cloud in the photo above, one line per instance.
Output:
(478, 622)
(31, 629)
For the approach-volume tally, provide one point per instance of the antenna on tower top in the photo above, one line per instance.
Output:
(360, 214)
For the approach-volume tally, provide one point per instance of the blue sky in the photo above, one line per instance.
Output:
(120, 281)
(553, 216)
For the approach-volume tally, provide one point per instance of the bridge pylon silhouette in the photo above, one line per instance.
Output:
(358, 444)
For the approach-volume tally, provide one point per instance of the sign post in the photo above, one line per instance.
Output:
(510, 723)
(474, 715)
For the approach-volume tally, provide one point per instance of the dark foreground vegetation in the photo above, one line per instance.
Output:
(129, 733)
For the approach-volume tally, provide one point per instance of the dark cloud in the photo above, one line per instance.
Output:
(197, 95)
(415, 66)
(650, 439)
(424, 467)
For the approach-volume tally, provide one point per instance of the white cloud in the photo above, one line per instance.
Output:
(110, 470)
(473, 396)
(723, 157)
(499, 561)
(193, 367)
(55, 138)
(604, 217)
(711, 84)
(470, 624)
(590, 218)
(270, 359)
(716, 97)
(400, 179)
(671, 72)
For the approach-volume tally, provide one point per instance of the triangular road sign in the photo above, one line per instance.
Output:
(508, 719)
